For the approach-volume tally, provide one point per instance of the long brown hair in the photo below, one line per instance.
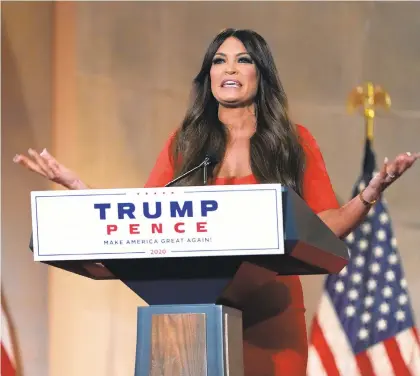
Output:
(276, 153)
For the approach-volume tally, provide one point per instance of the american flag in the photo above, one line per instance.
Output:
(364, 324)
(8, 364)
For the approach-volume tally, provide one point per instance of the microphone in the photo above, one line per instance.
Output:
(209, 160)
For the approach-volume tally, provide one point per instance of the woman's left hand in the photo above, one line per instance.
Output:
(391, 171)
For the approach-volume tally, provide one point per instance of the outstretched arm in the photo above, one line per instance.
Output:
(345, 219)
(319, 194)
(47, 166)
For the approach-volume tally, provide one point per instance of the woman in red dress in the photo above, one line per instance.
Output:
(275, 343)
(239, 113)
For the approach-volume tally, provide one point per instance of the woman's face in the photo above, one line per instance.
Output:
(233, 74)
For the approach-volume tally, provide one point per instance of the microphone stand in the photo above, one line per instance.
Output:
(208, 161)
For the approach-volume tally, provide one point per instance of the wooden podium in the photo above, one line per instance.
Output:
(192, 253)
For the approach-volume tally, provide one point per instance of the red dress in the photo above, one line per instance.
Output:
(274, 344)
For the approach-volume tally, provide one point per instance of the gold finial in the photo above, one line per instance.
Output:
(369, 97)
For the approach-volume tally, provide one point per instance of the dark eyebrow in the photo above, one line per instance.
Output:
(238, 54)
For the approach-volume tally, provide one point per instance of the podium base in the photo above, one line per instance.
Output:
(189, 340)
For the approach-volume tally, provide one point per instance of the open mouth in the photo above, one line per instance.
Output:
(231, 84)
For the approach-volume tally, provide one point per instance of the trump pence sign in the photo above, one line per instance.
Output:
(157, 222)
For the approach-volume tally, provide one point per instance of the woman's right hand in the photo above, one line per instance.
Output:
(46, 165)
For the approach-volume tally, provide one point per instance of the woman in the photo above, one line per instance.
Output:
(239, 112)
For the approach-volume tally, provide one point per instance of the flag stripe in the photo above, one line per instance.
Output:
(415, 360)
(7, 367)
(406, 340)
(335, 338)
(6, 341)
(365, 366)
(416, 335)
(8, 362)
(315, 366)
(380, 362)
(398, 364)
(326, 356)
(408, 346)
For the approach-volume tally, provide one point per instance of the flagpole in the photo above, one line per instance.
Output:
(368, 96)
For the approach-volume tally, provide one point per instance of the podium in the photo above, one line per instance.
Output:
(192, 253)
